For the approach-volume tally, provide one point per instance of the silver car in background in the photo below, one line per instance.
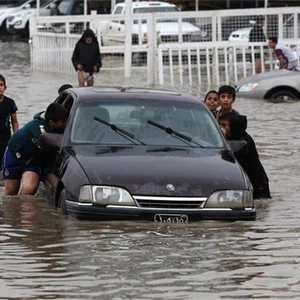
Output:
(279, 85)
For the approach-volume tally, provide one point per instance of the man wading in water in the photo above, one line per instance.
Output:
(86, 58)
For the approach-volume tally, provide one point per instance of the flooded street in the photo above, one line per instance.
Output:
(45, 256)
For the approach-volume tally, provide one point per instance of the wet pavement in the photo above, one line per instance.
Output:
(46, 256)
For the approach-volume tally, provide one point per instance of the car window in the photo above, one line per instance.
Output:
(118, 10)
(65, 100)
(78, 9)
(191, 120)
(64, 6)
(153, 9)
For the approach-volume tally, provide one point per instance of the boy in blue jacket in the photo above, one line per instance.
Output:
(24, 155)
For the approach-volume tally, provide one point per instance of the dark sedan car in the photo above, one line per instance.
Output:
(131, 153)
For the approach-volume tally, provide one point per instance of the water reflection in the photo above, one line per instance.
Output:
(45, 256)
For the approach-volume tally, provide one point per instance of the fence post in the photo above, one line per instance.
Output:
(152, 44)
(214, 50)
(128, 39)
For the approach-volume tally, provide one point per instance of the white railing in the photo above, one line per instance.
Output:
(212, 60)
(213, 63)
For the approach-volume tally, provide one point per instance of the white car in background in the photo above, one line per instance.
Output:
(113, 32)
(19, 22)
(240, 35)
(5, 11)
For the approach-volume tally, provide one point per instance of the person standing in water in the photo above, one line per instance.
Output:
(86, 58)
(8, 117)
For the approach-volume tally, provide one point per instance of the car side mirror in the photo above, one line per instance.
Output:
(27, 6)
(51, 140)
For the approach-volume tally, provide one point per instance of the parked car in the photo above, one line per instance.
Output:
(113, 32)
(18, 22)
(279, 84)
(234, 23)
(17, 6)
(240, 35)
(144, 154)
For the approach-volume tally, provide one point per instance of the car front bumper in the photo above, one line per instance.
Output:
(90, 211)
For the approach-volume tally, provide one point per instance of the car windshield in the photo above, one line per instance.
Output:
(63, 6)
(191, 120)
(18, 3)
(154, 9)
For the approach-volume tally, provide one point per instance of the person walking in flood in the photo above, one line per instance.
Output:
(86, 58)
(257, 35)
(8, 117)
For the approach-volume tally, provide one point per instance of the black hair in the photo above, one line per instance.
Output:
(273, 39)
(64, 87)
(211, 91)
(260, 18)
(55, 112)
(227, 89)
(88, 33)
(2, 78)
(226, 115)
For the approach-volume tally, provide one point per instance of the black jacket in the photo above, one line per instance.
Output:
(88, 55)
(250, 162)
(257, 34)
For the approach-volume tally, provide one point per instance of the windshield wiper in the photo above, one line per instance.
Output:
(120, 131)
(174, 133)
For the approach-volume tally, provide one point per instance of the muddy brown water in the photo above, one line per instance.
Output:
(45, 256)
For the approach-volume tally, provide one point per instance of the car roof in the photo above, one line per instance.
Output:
(133, 93)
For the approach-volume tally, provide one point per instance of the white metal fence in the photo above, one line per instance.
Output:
(209, 47)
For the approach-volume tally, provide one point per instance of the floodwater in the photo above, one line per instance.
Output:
(45, 256)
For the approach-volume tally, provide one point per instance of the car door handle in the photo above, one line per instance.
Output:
(110, 27)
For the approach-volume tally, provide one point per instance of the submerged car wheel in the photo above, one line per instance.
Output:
(284, 95)
(62, 202)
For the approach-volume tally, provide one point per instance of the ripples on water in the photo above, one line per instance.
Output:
(44, 256)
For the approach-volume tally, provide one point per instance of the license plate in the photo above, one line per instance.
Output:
(166, 218)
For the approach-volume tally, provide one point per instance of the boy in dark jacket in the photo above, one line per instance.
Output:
(24, 157)
(227, 98)
(236, 130)
(86, 58)
(8, 117)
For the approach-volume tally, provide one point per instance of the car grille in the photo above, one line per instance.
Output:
(174, 38)
(170, 202)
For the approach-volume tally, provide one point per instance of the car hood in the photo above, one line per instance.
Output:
(268, 76)
(173, 28)
(147, 171)
(7, 10)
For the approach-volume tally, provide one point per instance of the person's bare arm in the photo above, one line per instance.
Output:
(14, 122)
(281, 62)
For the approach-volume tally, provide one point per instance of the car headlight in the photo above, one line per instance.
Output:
(248, 87)
(105, 195)
(230, 199)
